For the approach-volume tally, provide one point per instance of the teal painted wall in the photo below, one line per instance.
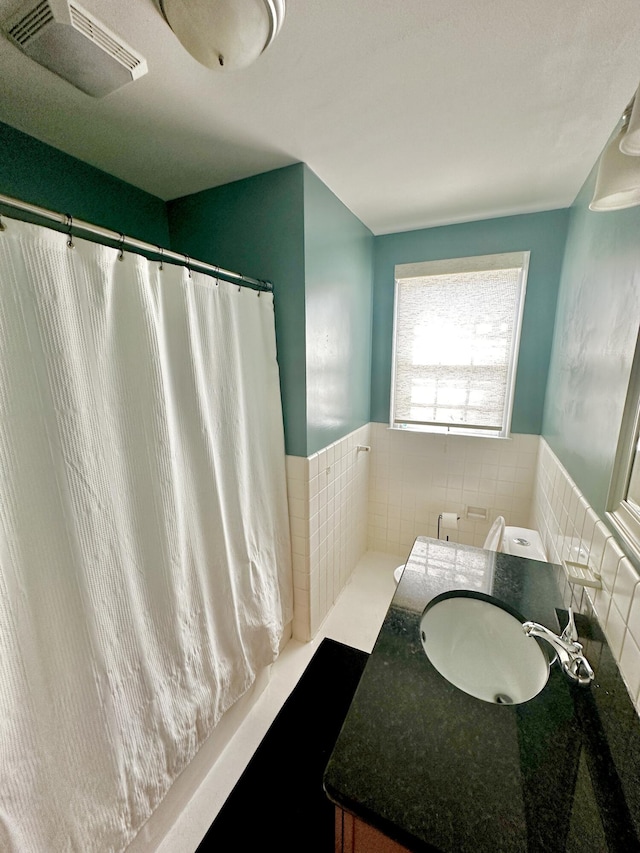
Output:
(34, 172)
(543, 234)
(256, 227)
(285, 226)
(338, 252)
(595, 335)
(288, 227)
(334, 292)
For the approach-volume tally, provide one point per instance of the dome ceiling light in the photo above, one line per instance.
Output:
(224, 34)
(618, 178)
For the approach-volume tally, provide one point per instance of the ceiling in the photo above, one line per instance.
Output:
(414, 113)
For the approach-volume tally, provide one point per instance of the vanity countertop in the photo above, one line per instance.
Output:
(436, 769)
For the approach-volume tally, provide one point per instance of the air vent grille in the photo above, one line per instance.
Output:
(91, 29)
(64, 37)
(31, 24)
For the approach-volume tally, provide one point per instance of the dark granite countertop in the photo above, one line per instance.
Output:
(438, 770)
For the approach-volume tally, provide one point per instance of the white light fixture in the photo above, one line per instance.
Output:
(618, 180)
(224, 34)
(630, 143)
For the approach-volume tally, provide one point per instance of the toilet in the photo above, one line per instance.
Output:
(493, 542)
(517, 541)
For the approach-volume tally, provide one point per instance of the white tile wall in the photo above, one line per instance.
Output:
(571, 530)
(416, 476)
(328, 517)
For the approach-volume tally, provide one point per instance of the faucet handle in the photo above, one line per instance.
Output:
(570, 633)
(580, 670)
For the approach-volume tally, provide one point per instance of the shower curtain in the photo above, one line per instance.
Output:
(145, 569)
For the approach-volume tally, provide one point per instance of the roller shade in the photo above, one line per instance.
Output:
(456, 337)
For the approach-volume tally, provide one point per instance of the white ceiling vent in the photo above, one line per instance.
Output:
(69, 41)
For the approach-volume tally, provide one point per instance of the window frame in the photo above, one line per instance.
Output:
(621, 514)
(479, 264)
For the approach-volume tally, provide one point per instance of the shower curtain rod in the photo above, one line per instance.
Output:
(73, 225)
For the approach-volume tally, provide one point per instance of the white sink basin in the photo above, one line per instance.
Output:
(482, 649)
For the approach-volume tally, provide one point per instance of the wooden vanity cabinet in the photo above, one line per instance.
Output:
(355, 836)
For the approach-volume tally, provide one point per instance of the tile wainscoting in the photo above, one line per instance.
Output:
(328, 516)
(344, 501)
(416, 476)
(572, 530)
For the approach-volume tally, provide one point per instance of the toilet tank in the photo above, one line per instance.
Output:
(523, 542)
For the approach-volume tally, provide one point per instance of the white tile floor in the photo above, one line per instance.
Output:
(355, 620)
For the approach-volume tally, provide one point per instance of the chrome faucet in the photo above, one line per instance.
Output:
(567, 648)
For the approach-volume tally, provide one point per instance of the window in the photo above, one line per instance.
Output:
(456, 336)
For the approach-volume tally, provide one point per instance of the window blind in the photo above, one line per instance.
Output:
(456, 338)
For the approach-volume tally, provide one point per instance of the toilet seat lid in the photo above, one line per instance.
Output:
(493, 542)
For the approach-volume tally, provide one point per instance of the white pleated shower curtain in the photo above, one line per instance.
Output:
(145, 570)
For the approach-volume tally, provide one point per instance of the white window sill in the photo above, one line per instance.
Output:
(449, 432)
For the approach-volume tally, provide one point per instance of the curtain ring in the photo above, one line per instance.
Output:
(69, 223)
(161, 250)
(121, 251)
(188, 259)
